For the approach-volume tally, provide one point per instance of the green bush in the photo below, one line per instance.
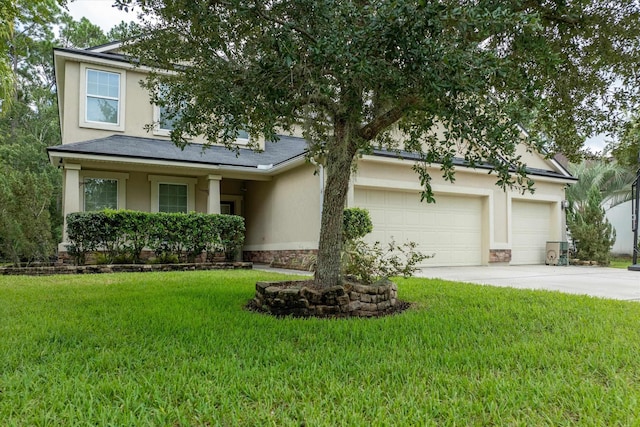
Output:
(369, 263)
(83, 235)
(122, 235)
(591, 231)
(356, 223)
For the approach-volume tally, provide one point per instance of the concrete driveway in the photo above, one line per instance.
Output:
(602, 282)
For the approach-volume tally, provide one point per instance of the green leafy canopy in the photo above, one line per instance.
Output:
(479, 68)
(455, 78)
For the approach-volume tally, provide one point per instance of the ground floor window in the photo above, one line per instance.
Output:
(172, 197)
(100, 194)
(172, 193)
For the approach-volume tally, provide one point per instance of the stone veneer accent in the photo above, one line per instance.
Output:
(120, 268)
(298, 299)
(500, 255)
(296, 259)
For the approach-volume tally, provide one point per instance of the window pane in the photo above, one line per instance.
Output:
(165, 122)
(102, 83)
(102, 110)
(172, 198)
(243, 134)
(114, 85)
(100, 194)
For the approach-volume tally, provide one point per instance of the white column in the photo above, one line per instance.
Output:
(213, 202)
(71, 190)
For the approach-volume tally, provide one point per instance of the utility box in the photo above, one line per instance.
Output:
(557, 253)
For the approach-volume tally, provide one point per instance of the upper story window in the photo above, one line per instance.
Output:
(164, 118)
(164, 121)
(243, 137)
(101, 98)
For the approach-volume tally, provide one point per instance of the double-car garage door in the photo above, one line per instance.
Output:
(451, 228)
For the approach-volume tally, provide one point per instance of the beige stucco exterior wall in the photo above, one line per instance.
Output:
(532, 159)
(138, 110)
(283, 213)
(138, 192)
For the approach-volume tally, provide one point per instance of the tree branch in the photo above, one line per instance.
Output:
(373, 128)
(258, 9)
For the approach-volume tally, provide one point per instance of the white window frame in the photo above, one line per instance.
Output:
(83, 122)
(121, 179)
(157, 130)
(243, 141)
(156, 180)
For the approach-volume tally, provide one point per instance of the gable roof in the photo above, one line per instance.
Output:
(287, 150)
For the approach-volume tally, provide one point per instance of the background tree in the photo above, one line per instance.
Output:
(79, 34)
(591, 231)
(603, 181)
(627, 149)
(24, 217)
(124, 31)
(30, 189)
(611, 179)
(449, 76)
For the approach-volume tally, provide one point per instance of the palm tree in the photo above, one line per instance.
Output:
(610, 178)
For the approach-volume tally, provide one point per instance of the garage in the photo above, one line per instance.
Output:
(531, 229)
(451, 228)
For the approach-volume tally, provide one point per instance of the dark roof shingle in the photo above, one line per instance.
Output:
(275, 153)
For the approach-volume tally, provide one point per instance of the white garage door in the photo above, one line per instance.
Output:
(451, 228)
(531, 224)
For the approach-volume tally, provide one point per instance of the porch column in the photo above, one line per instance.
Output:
(71, 193)
(213, 202)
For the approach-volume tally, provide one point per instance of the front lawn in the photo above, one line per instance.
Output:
(621, 262)
(178, 349)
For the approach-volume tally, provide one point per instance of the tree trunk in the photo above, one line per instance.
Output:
(340, 154)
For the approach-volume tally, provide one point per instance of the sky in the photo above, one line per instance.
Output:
(103, 14)
(99, 12)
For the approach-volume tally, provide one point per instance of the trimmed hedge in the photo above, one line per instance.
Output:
(122, 235)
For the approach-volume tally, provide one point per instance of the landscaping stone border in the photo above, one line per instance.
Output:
(121, 268)
(295, 259)
(298, 298)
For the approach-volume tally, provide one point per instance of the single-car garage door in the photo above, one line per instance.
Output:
(531, 225)
(451, 228)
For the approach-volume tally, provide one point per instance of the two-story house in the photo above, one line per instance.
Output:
(109, 160)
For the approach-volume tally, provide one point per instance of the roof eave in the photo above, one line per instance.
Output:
(58, 157)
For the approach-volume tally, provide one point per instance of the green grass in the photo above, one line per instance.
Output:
(178, 349)
(621, 262)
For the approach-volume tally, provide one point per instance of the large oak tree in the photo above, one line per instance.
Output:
(352, 72)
